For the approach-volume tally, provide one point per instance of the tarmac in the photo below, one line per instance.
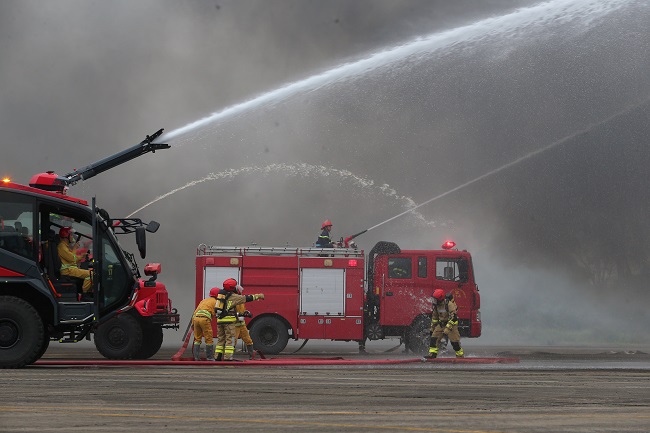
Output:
(548, 389)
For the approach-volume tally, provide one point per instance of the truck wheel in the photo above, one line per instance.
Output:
(269, 335)
(152, 340)
(46, 344)
(418, 335)
(22, 334)
(374, 331)
(119, 337)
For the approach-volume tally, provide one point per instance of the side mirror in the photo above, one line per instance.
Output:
(141, 240)
(153, 227)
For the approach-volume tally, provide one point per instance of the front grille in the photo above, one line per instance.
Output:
(161, 301)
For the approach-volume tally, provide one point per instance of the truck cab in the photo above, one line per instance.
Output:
(401, 284)
(125, 313)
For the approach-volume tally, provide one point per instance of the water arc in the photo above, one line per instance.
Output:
(508, 26)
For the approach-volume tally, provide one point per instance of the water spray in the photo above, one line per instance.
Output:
(550, 12)
(297, 169)
(559, 142)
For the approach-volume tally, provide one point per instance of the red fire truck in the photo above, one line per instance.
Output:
(327, 293)
(125, 313)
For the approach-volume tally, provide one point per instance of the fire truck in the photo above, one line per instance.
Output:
(330, 293)
(125, 313)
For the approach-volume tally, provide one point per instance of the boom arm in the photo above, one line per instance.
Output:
(52, 182)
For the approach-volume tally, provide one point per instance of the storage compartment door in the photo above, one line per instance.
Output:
(214, 276)
(322, 292)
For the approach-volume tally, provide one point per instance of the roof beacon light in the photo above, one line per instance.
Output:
(448, 245)
(6, 180)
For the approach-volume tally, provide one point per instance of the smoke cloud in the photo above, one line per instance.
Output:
(559, 240)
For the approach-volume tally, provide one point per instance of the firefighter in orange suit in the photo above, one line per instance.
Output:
(202, 325)
(241, 331)
(67, 250)
(444, 321)
(227, 300)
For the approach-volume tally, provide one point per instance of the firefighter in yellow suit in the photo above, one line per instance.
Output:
(227, 300)
(202, 325)
(67, 250)
(241, 331)
(444, 321)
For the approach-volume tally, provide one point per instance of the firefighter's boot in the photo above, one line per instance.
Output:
(249, 349)
(209, 352)
(196, 352)
(433, 349)
(458, 350)
(219, 356)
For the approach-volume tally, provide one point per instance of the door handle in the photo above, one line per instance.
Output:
(389, 293)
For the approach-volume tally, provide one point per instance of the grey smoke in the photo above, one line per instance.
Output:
(559, 241)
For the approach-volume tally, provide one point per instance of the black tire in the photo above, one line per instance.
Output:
(152, 340)
(22, 334)
(46, 344)
(119, 337)
(270, 335)
(419, 335)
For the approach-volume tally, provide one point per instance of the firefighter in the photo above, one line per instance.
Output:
(324, 240)
(444, 321)
(241, 331)
(67, 250)
(227, 300)
(202, 325)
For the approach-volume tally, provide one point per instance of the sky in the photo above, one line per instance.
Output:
(354, 112)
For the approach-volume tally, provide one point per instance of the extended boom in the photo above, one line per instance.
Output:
(50, 181)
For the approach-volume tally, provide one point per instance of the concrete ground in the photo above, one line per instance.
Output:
(549, 390)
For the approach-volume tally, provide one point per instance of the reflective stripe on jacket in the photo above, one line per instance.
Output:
(203, 313)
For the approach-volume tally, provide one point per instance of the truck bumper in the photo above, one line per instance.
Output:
(166, 320)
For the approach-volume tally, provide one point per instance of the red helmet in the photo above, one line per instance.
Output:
(439, 294)
(326, 223)
(65, 232)
(230, 284)
(214, 292)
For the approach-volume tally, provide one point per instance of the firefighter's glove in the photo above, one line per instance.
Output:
(447, 330)
(258, 296)
(247, 314)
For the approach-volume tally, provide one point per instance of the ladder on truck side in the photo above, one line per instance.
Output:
(211, 250)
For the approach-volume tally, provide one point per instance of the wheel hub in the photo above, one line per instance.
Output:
(269, 336)
(374, 331)
(9, 334)
(117, 337)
